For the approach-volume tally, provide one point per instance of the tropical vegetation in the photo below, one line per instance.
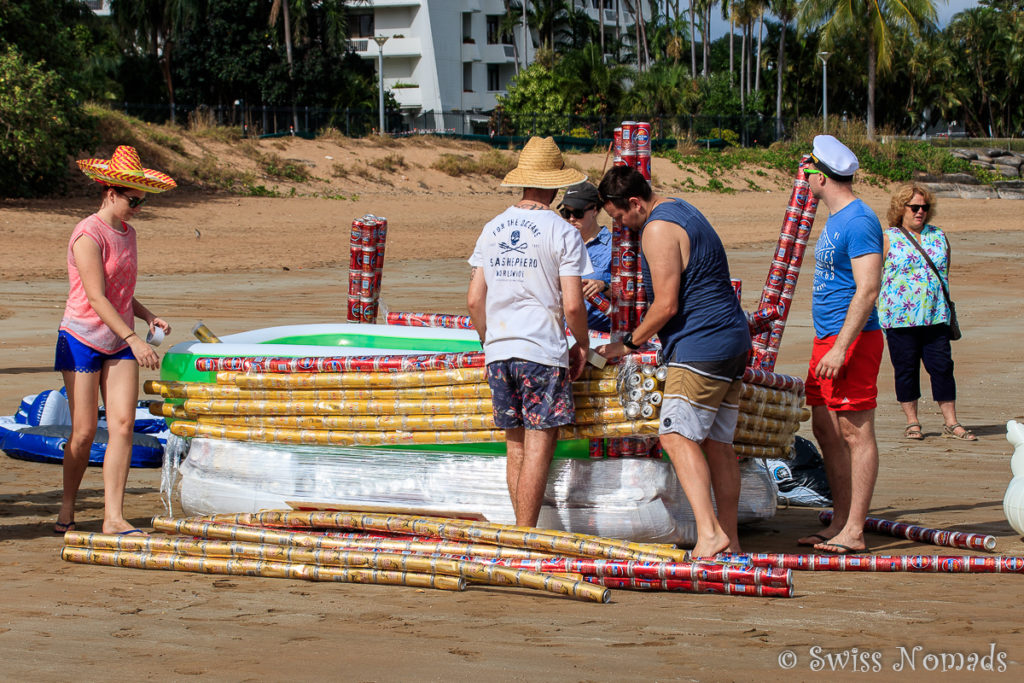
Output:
(889, 64)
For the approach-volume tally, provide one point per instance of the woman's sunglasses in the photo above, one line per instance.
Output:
(914, 208)
(575, 213)
(133, 202)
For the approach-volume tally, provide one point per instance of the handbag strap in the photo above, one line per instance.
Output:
(917, 245)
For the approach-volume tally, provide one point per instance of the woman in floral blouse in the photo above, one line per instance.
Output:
(913, 309)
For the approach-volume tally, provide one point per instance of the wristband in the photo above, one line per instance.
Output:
(627, 341)
(129, 337)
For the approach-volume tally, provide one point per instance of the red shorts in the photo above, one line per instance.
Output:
(856, 385)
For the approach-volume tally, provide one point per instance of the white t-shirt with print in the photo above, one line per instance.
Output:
(522, 253)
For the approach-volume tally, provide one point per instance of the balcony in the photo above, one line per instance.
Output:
(498, 54)
(395, 47)
(470, 52)
(408, 98)
(395, 3)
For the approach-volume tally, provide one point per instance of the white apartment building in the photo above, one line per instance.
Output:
(444, 56)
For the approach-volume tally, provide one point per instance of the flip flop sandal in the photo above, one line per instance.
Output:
(62, 528)
(840, 549)
(913, 432)
(949, 432)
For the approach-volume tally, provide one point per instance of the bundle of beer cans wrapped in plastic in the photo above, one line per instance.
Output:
(365, 268)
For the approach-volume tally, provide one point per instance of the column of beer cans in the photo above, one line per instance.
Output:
(784, 271)
(631, 144)
(627, 306)
(366, 262)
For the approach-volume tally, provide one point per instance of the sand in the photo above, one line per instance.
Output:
(258, 262)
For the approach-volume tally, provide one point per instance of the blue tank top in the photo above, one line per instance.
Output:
(709, 325)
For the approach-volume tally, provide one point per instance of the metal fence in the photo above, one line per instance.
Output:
(498, 127)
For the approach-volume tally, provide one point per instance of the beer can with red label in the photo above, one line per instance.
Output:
(597, 448)
(627, 262)
(366, 284)
(368, 259)
(355, 257)
(368, 314)
(643, 164)
(737, 286)
(355, 310)
(629, 158)
(617, 142)
(354, 277)
(357, 233)
(642, 133)
(628, 137)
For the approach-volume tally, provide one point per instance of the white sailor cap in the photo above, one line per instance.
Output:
(833, 158)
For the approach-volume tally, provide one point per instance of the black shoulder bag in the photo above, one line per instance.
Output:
(954, 324)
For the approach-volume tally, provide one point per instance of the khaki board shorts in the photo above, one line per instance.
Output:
(702, 399)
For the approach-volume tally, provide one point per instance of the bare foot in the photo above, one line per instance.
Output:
(709, 547)
(819, 537)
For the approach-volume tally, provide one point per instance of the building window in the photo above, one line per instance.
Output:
(360, 26)
(467, 77)
(493, 77)
(494, 29)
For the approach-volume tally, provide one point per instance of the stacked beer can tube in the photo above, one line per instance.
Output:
(366, 263)
(769, 320)
(631, 144)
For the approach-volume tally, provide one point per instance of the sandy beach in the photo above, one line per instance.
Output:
(256, 262)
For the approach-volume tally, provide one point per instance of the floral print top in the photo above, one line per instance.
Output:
(911, 295)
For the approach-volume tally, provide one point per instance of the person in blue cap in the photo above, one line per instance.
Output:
(842, 379)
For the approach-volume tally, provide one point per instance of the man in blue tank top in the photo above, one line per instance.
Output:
(705, 342)
(842, 379)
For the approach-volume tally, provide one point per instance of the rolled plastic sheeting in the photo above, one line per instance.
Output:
(636, 499)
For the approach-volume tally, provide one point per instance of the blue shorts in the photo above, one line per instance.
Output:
(529, 394)
(74, 356)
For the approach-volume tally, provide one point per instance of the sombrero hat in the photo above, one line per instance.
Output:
(125, 170)
(541, 165)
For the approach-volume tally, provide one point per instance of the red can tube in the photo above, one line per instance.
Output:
(929, 564)
(923, 534)
(395, 363)
(683, 586)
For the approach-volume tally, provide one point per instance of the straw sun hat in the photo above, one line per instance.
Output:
(125, 170)
(541, 165)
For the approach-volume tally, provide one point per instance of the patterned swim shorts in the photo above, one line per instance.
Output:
(529, 394)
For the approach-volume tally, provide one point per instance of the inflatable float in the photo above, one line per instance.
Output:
(295, 415)
(42, 425)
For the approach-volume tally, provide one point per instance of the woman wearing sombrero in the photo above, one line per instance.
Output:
(97, 347)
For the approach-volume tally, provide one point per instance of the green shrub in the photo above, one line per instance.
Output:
(41, 125)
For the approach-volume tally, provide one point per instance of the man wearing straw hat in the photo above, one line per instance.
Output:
(842, 376)
(705, 341)
(527, 269)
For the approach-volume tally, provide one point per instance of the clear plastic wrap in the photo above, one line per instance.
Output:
(634, 498)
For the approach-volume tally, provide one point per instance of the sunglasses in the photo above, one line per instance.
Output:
(914, 208)
(133, 202)
(575, 213)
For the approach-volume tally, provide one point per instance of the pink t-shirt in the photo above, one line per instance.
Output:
(120, 268)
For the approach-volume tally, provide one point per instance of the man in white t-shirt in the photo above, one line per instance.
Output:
(525, 287)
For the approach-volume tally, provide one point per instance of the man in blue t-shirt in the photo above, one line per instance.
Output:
(842, 379)
(705, 342)
(580, 206)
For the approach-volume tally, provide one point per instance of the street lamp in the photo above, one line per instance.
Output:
(823, 56)
(380, 40)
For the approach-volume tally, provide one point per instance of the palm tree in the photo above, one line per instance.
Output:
(153, 25)
(335, 24)
(873, 19)
(785, 10)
